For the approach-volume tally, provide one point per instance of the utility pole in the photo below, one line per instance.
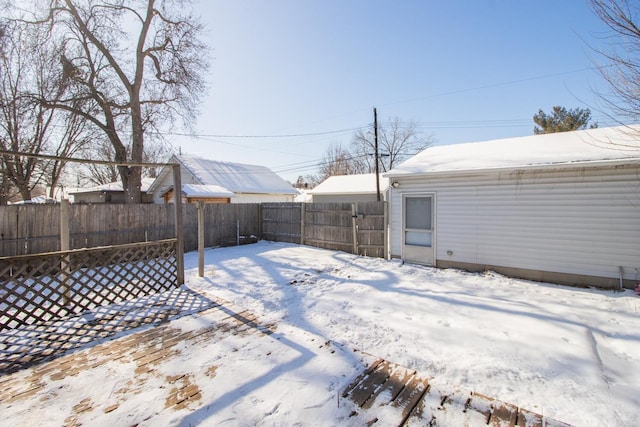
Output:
(375, 149)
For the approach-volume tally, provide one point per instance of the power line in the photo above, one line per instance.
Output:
(79, 160)
(246, 146)
(492, 85)
(435, 124)
(318, 163)
(264, 136)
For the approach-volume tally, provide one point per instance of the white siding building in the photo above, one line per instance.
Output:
(243, 183)
(109, 193)
(561, 207)
(349, 189)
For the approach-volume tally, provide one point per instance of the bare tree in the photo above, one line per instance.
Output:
(29, 61)
(337, 161)
(6, 188)
(25, 125)
(158, 151)
(306, 182)
(397, 141)
(155, 151)
(72, 137)
(134, 65)
(98, 174)
(623, 73)
(311, 180)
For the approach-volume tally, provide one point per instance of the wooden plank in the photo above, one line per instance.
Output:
(368, 386)
(503, 415)
(133, 347)
(482, 404)
(10, 394)
(152, 356)
(391, 387)
(421, 415)
(111, 408)
(361, 377)
(410, 396)
(195, 396)
(179, 396)
(548, 422)
(529, 419)
(448, 405)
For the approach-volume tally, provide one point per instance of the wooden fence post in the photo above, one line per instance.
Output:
(303, 214)
(237, 225)
(65, 239)
(385, 244)
(177, 200)
(260, 220)
(354, 217)
(201, 238)
(65, 245)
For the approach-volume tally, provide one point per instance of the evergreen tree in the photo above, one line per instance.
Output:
(562, 120)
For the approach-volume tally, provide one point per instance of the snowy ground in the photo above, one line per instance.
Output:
(571, 354)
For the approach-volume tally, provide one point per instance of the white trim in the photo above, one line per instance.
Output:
(410, 194)
(549, 166)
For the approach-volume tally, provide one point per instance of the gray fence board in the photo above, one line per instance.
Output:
(328, 225)
(281, 222)
(30, 229)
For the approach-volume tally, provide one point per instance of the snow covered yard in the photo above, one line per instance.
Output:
(571, 354)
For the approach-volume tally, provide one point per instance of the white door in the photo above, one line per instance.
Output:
(417, 239)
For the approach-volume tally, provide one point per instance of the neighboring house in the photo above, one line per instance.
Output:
(349, 189)
(34, 200)
(561, 207)
(303, 196)
(230, 182)
(194, 193)
(109, 193)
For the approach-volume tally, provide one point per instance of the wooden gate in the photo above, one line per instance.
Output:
(358, 228)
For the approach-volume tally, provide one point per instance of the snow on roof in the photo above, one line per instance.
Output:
(351, 184)
(34, 200)
(194, 190)
(578, 147)
(236, 177)
(113, 186)
(304, 196)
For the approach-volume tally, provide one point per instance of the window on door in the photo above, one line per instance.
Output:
(418, 224)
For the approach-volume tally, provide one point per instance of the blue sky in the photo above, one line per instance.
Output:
(465, 70)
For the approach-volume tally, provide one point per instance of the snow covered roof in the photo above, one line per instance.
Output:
(194, 190)
(350, 184)
(113, 186)
(304, 196)
(34, 200)
(236, 177)
(565, 148)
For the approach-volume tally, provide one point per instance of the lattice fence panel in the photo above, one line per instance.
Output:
(37, 288)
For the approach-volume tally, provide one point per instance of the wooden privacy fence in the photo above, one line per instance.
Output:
(38, 288)
(31, 229)
(358, 228)
(224, 224)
